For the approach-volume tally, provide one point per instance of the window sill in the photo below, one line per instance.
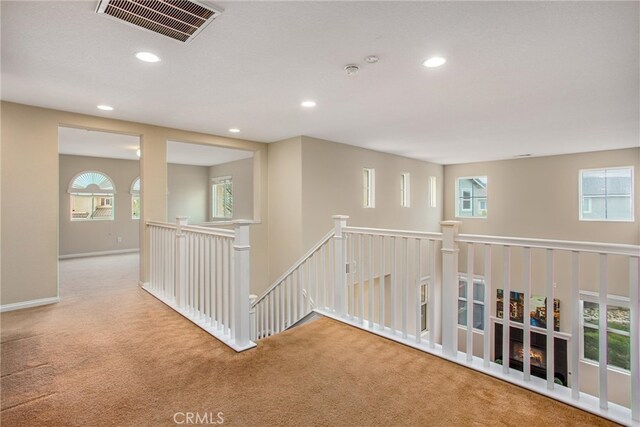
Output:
(609, 367)
(475, 331)
(607, 220)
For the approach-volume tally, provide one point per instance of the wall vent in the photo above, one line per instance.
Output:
(178, 19)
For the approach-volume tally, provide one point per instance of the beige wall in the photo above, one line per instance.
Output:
(187, 192)
(241, 172)
(78, 237)
(538, 197)
(285, 205)
(332, 183)
(30, 161)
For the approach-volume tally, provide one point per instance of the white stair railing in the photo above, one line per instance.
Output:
(296, 293)
(405, 286)
(203, 274)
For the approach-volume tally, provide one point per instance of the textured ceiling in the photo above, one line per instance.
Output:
(521, 77)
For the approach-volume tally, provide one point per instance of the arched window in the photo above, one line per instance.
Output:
(92, 195)
(135, 198)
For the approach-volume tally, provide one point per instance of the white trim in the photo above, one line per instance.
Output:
(102, 253)
(28, 304)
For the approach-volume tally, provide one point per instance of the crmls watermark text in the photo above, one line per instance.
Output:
(198, 418)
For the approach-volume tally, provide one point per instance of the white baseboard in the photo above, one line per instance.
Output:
(28, 304)
(103, 253)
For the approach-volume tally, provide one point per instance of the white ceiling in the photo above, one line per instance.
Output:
(521, 77)
(81, 142)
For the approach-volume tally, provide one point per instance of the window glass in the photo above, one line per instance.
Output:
(222, 198)
(606, 194)
(618, 338)
(478, 303)
(91, 196)
(471, 197)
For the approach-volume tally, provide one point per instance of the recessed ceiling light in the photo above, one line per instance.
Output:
(371, 59)
(434, 62)
(308, 104)
(234, 130)
(105, 107)
(147, 57)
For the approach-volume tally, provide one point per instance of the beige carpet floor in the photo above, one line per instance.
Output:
(111, 354)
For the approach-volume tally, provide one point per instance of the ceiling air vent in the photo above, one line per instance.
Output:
(178, 19)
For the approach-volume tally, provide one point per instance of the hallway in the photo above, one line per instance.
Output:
(111, 354)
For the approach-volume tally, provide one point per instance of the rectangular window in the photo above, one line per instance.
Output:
(606, 194)
(424, 303)
(222, 198)
(405, 183)
(432, 192)
(478, 302)
(91, 207)
(618, 337)
(135, 206)
(471, 197)
(369, 191)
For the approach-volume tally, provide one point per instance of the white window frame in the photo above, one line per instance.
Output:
(476, 279)
(369, 188)
(433, 196)
(458, 201)
(405, 190)
(85, 192)
(214, 201)
(581, 197)
(482, 202)
(612, 300)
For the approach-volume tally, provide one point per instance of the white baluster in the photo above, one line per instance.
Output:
(394, 285)
(361, 280)
(575, 324)
(371, 282)
(418, 316)
(550, 317)
(602, 336)
(431, 292)
(488, 293)
(634, 331)
(506, 308)
(526, 335)
(381, 286)
(405, 286)
(352, 277)
(470, 299)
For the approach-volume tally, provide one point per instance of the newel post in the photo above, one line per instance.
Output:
(340, 268)
(242, 331)
(449, 287)
(180, 279)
